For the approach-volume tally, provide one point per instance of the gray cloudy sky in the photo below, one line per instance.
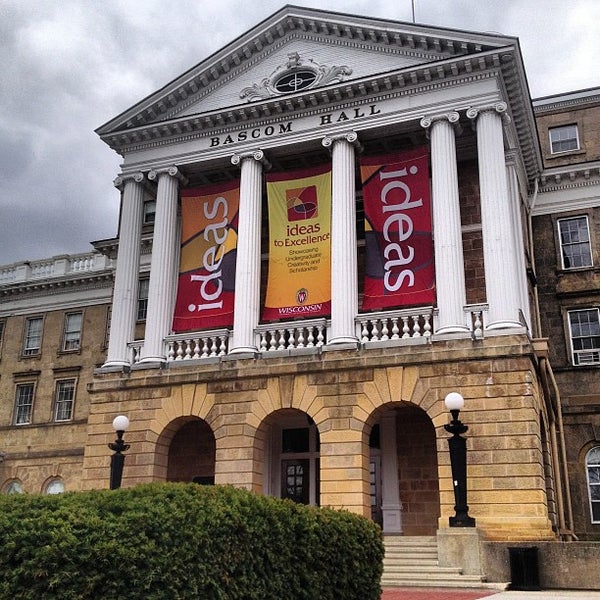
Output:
(68, 66)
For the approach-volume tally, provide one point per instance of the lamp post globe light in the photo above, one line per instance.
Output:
(458, 461)
(120, 425)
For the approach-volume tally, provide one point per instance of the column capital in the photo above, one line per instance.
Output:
(172, 171)
(257, 155)
(121, 179)
(498, 107)
(428, 120)
(349, 136)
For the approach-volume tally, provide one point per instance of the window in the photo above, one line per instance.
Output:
(54, 486)
(149, 212)
(33, 336)
(23, 403)
(563, 139)
(592, 464)
(575, 246)
(107, 328)
(585, 336)
(64, 399)
(72, 332)
(142, 307)
(13, 487)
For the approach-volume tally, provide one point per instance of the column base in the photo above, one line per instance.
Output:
(451, 329)
(392, 519)
(506, 324)
(342, 342)
(153, 359)
(116, 365)
(241, 352)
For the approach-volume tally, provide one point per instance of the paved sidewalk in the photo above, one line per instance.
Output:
(460, 594)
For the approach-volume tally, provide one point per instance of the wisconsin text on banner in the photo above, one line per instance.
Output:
(399, 258)
(208, 252)
(299, 283)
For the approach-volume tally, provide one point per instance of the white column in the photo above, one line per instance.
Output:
(124, 304)
(449, 261)
(498, 242)
(163, 266)
(344, 276)
(519, 233)
(391, 507)
(246, 308)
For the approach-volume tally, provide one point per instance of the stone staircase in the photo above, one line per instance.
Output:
(413, 562)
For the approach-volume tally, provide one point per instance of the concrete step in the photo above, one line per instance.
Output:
(412, 561)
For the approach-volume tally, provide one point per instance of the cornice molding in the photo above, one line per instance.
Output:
(52, 286)
(565, 103)
(573, 176)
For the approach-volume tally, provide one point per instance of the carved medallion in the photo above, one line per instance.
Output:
(295, 75)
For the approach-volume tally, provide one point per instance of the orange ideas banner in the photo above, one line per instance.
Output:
(299, 283)
(209, 223)
(399, 245)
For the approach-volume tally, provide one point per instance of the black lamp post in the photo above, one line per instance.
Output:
(458, 461)
(120, 425)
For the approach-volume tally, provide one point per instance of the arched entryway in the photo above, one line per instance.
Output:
(291, 456)
(405, 497)
(191, 454)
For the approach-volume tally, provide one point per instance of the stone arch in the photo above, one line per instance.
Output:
(287, 445)
(404, 470)
(189, 450)
(186, 403)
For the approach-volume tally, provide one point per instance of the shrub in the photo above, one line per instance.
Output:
(172, 541)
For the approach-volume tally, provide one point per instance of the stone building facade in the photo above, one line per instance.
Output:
(346, 409)
(566, 230)
(53, 334)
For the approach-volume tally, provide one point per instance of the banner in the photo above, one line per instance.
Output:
(299, 282)
(399, 246)
(208, 252)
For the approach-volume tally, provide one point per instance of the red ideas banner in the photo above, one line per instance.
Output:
(209, 223)
(399, 245)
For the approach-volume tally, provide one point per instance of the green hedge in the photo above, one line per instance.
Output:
(170, 541)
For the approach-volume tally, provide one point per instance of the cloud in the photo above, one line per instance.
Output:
(74, 65)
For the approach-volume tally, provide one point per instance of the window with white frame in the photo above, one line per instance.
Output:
(592, 464)
(149, 212)
(584, 328)
(564, 138)
(142, 304)
(64, 399)
(72, 332)
(575, 248)
(23, 403)
(32, 342)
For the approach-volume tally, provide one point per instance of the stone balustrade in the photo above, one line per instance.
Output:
(57, 266)
(407, 326)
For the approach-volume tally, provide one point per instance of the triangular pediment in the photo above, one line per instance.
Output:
(297, 64)
(299, 51)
